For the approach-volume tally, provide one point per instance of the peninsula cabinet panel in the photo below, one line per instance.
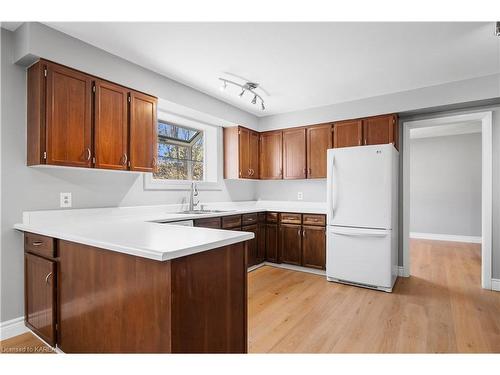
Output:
(313, 247)
(40, 296)
(319, 140)
(111, 126)
(380, 130)
(290, 244)
(69, 117)
(143, 153)
(294, 154)
(348, 133)
(272, 242)
(271, 155)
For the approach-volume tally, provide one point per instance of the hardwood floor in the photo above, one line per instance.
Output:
(440, 308)
(22, 344)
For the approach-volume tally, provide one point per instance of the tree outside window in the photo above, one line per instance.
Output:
(180, 152)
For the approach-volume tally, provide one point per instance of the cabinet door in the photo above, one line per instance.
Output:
(272, 242)
(319, 140)
(291, 244)
(253, 157)
(39, 294)
(261, 242)
(294, 154)
(378, 130)
(313, 247)
(252, 245)
(111, 126)
(69, 122)
(143, 152)
(347, 133)
(243, 142)
(271, 152)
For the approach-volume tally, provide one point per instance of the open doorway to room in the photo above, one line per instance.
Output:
(447, 197)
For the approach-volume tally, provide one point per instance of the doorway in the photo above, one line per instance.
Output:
(437, 125)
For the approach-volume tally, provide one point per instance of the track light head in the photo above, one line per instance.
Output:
(254, 100)
(497, 28)
(224, 86)
(242, 92)
(262, 106)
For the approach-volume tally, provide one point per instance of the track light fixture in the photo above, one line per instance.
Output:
(248, 86)
(497, 28)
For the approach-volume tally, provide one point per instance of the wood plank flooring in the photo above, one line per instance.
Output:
(25, 343)
(440, 308)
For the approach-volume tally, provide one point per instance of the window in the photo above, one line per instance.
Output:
(180, 152)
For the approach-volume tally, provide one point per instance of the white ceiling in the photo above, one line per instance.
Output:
(301, 65)
(467, 127)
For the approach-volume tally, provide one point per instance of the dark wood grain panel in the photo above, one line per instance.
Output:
(261, 242)
(111, 126)
(36, 114)
(209, 301)
(290, 244)
(319, 140)
(143, 132)
(40, 296)
(209, 222)
(314, 219)
(247, 219)
(112, 302)
(271, 155)
(378, 130)
(314, 246)
(252, 244)
(233, 221)
(290, 218)
(253, 154)
(294, 153)
(69, 117)
(272, 217)
(348, 133)
(272, 242)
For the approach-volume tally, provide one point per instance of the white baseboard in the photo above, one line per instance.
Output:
(13, 327)
(401, 271)
(495, 285)
(445, 237)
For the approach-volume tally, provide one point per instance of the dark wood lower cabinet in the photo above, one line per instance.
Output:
(290, 244)
(40, 296)
(252, 245)
(313, 246)
(261, 242)
(272, 242)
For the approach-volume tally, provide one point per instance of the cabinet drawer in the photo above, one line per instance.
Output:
(249, 219)
(272, 217)
(313, 219)
(38, 244)
(261, 217)
(290, 218)
(229, 222)
(209, 222)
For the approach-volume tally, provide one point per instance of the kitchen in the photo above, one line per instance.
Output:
(105, 237)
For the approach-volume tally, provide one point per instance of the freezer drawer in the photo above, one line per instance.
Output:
(361, 256)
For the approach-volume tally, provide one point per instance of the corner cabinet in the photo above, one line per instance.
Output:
(78, 120)
(241, 153)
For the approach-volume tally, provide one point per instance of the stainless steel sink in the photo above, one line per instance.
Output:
(200, 212)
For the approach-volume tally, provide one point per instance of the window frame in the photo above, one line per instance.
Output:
(212, 180)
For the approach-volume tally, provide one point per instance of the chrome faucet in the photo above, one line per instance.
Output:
(193, 193)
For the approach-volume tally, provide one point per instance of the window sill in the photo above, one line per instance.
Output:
(155, 184)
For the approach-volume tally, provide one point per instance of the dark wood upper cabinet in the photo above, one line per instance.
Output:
(348, 133)
(290, 244)
(111, 126)
(69, 117)
(243, 143)
(78, 120)
(294, 154)
(380, 130)
(271, 155)
(40, 296)
(313, 246)
(319, 140)
(143, 130)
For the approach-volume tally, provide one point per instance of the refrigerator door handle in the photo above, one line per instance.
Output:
(363, 233)
(332, 179)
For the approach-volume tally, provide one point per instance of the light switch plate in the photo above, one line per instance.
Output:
(65, 200)
(300, 196)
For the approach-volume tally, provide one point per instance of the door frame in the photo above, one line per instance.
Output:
(486, 186)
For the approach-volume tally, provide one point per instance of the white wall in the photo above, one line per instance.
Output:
(29, 188)
(446, 185)
(286, 190)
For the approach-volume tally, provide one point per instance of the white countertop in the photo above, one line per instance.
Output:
(138, 231)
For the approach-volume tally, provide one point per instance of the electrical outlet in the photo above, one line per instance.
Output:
(300, 196)
(65, 200)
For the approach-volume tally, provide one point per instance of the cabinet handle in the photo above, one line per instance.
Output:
(310, 171)
(125, 159)
(303, 232)
(47, 278)
(299, 232)
(37, 243)
(88, 152)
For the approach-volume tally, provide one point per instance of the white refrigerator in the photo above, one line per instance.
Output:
(362, 232)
